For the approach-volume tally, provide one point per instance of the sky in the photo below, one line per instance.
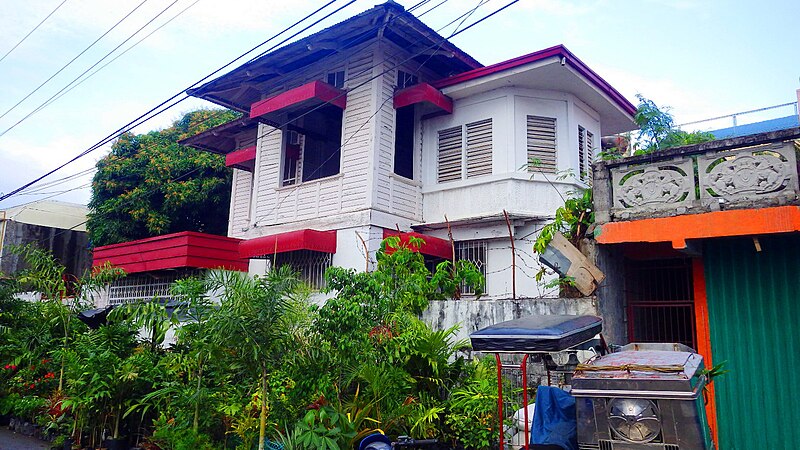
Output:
(701, 59)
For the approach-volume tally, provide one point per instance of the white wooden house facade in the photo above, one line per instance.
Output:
(362, 130)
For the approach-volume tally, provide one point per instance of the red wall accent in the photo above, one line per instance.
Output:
(320, 241)
(172, 251)
(423, 92)
(558, 50)
(315, 90)
(244, 159)
(433, 246)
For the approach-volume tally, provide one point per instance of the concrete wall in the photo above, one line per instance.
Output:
(69, 247)
(473, 315)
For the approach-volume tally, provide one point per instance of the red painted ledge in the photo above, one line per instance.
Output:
(315, 91)
(186, 249)
(433, 246)
(423, 93)
(244, 159)
(307, 239)
(677, 229)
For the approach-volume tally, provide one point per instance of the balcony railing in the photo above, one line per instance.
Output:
(748, 172)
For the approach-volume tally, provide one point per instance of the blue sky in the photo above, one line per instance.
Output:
(701, 58)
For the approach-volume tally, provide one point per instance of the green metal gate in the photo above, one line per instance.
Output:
(754, 318)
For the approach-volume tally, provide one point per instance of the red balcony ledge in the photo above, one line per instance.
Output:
(433, 246)
(309, 94)
(426, 94)
(187, 249)
(244, 159)
(306, 239)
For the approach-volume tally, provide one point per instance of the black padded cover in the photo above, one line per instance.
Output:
(548, 333)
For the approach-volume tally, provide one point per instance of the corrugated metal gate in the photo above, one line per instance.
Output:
(754, 306)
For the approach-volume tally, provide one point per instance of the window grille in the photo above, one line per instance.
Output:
(336, 79)
(479, 148)
(450, 154)
(405, 79)
(310, 265)
(474, 252)
(541, 144)
(137, 288)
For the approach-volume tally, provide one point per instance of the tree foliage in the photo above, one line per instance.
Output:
(150, 185)
(657, 129)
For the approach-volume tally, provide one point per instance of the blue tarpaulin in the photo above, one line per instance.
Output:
(554, 422)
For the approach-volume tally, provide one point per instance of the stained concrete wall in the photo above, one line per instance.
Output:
(70, 247)
(473, 315)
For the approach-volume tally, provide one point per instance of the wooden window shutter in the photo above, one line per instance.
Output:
(479, 148)
(450, 154)
(581, 152)
(541, 144)
(589, 156)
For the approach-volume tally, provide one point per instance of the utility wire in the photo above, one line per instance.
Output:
(150, 114)
(31, 32)
(145, 37)
(367, 121)
(74, 58)
(59, 95)
(46, 102)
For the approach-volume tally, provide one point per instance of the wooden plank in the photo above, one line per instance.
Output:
(586, 275)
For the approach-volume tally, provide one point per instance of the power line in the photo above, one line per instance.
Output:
(61, 94)
(46, 102)
(144, 117)
(34, 29)
(74, 58)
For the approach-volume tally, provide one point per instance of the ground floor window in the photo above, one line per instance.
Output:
(147, 286)
(475, 252)
(309, 265)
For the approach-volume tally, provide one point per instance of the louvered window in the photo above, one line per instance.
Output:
(585, 154)
(479, 148)
(541, 144)
(469, 157)
(450, 154)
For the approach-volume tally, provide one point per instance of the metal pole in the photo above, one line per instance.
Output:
(524, 367)
(501, 442)
(513, 258)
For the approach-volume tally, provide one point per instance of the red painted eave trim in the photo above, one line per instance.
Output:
(433, 246)
(558, 50)
(315, 90)
(244, 159)
(423, 92)
(319, 241)
(186, 249)
(679, 229)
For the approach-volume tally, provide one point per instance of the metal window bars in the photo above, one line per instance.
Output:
(146, 287)
(476, 253)
(310, 265)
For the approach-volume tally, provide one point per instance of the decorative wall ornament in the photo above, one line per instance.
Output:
(661, 185)
(757, 174)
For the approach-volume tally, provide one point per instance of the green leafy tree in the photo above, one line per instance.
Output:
(150, 185)
(657, 129)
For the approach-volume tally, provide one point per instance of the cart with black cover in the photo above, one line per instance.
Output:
(545, 336)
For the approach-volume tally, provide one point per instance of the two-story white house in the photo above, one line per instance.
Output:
(378, 125)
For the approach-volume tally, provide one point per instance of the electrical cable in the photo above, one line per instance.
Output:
(75, 57)
(139, 121)
(34, 29)
(49, 100)
(363, 83)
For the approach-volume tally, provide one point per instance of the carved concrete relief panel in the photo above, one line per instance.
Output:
(748, 174)
(662, 185)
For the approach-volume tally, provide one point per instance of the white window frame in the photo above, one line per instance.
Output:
(472, 147)
(477, 252)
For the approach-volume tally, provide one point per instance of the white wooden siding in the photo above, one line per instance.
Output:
(240, 202)
(328, 196)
